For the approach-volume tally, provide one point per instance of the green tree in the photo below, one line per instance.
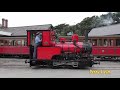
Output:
(60, 28)
(89, 23)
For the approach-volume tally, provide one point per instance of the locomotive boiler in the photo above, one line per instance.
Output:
(63, 53)
(75, 49)
(75, 53)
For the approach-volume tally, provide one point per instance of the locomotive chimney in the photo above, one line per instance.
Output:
(6, 23)
(86, 35)
(3, 22)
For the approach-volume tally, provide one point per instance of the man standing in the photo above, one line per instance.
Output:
(38, 42)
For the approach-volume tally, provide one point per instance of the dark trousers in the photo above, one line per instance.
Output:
(35, 50)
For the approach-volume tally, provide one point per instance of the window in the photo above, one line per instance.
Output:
(14, 43)
(100, 42)
(19, 43)
(94, 42)
(110, 42)
(1, 43)
(10, 42)
(6, 43)
(105, 42)
(117, 42)
(23, 42)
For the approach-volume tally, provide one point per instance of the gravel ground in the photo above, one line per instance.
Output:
(16, 68)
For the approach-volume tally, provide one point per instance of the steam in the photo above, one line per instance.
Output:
(103, 20)
(106, 20)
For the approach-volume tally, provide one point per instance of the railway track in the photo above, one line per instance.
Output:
(104, 68)
(15, 63)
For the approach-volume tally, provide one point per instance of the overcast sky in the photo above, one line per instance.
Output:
(39, 18)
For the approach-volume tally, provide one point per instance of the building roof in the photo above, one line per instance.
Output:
(18, 31)
(5, 33)
(106, 30)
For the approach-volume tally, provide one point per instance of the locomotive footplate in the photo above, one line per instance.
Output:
(73, 63)
(36, 62)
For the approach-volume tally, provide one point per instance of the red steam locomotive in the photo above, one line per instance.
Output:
(74, 53)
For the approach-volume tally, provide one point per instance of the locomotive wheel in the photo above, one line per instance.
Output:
(90, 66)
(54, 67)
(81, 67)
(34, 65)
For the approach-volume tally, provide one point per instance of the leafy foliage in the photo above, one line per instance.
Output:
(88, 23)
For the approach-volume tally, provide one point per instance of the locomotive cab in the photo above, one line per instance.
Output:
(47, 49)
(48, 39)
